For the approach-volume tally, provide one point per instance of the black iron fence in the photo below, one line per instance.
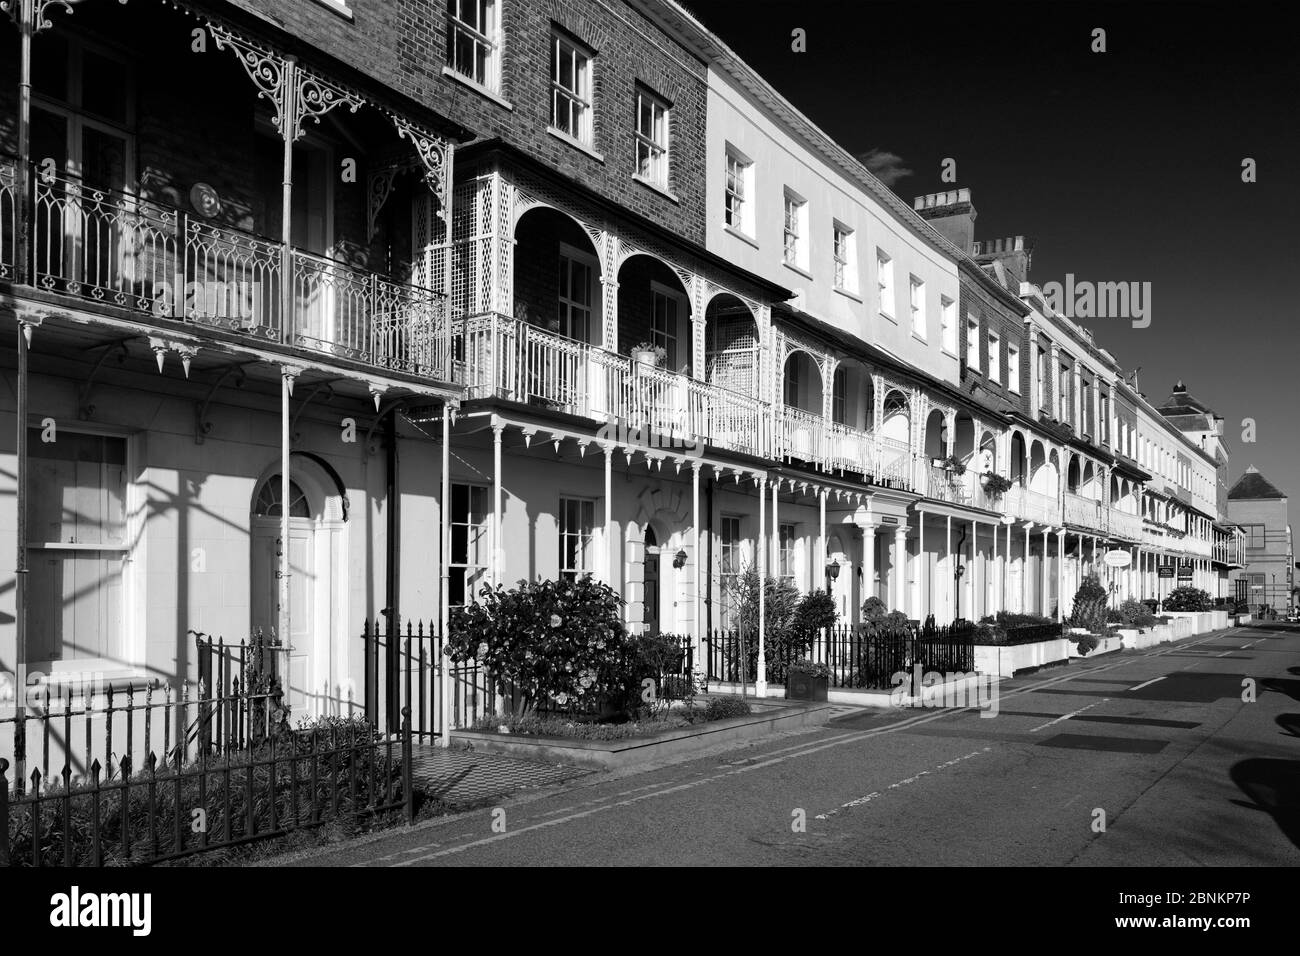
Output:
(859, 656)
(128, 774)
(403, 669)
(170, 809)
(62, 728)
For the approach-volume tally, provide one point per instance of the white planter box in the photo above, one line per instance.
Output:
(1006, 661)
(1105, 645)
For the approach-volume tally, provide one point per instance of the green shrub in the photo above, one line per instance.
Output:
(815, 612)
(1188, 598)
(721, 708)
(1087, 643)
(561, 641)
(811, 668)
(1136, 614)
(1089, 605)
(874, 610)
(782, 641)
(1011, 619)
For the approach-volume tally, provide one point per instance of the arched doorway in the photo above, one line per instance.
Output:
(317, 569)
(650, 601)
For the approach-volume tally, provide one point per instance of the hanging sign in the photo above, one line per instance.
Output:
(1116, 558)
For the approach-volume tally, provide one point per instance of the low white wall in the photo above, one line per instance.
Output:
(1007, 660)
(1105, 645)
(1201, 622)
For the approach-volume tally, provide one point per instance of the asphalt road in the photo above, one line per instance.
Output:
(1159, 741)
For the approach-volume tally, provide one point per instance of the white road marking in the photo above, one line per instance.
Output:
(1148, 683)
(1073, 713)
(901, 783)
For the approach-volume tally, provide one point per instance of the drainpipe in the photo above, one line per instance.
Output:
(392, 534)
(444, 519)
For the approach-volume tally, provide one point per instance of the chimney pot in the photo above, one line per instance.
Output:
(918, 202)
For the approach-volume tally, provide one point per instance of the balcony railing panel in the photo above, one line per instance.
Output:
(231, 280)
(942, 485)
(850, 449)
(802, 434)
(1125, 525)
(498, 355)
(1032, 506)
(104, 245)
(8, 218)
(735, 421)
(1084, 512)
(895, 462)
(664, 403)
(123, 250)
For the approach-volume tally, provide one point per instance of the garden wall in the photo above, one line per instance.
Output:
(1007, 660)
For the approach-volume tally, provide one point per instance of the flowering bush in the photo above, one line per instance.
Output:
(559, 641)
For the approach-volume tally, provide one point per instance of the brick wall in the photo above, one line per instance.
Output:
(403, 43)
(993, 316)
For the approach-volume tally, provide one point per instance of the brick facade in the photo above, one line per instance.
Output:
(402, 44)
(979, 303)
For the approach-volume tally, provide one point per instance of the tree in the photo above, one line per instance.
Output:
(1090, 605)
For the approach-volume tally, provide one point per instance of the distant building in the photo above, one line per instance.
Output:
(1260, 509)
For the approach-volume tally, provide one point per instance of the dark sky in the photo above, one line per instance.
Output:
(1123, 165)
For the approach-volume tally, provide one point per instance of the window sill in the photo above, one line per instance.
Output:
(575, 143)
(338, 6)
(743, 237)
(849, 295)
(949, 352)
(921, 338)
(654, 186)
(483, 91)
(886, 315)
(797, 269)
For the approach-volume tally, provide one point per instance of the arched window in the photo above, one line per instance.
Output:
(268, 500)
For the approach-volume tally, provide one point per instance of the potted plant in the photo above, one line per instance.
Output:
(647, 353)
(807, 680)
(955, 465)
(995, 484)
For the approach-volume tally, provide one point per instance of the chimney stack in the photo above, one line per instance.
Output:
(952, 214)
(1016, 254)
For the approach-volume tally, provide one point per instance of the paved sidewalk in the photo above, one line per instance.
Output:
(458, 776)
